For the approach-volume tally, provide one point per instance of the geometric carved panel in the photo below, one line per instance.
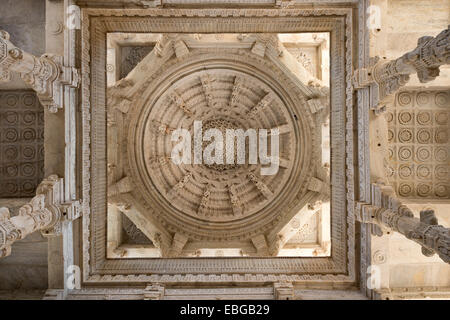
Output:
(419, 146)
(21, 143)
(311, 51)
(131, 56)
(307, 57)
(307, 233)
(132, 234)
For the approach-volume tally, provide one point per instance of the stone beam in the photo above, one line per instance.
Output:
(265, 42)
(124, 185)
(116, 248)
(180, 48)
(125, 203)
(178, 242)
(118, 95)
(175, 98)
(319, 100)
(260, 244)
(277, 242)
(265, 101)
(236, 91)
(46, 74)
(317, 185)
(386, 211)
(385, 77)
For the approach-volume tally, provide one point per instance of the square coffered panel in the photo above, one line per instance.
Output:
(418, 135)
(21, 143)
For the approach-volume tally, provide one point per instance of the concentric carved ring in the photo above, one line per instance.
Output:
(225, 201)
(404, 98)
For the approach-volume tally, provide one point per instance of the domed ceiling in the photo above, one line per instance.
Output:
(240, 82)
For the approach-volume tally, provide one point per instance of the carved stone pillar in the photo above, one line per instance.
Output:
(384, 77)
(387, 212)
(44, 212)
(45, 74)
(178, 242)
(154, 292)
(260, 244)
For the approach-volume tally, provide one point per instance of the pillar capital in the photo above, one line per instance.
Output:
(384, 77)
(46, 74)
(387, 212)
(44, 212)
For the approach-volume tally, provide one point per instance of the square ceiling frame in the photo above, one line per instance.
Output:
(348, 51)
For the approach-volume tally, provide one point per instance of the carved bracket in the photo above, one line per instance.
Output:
(260, 244)
(283, 290)
(178, 242)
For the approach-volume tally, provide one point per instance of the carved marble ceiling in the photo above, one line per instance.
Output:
(21, 143)
(128, 199)
(418, 135)
(227, 81)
